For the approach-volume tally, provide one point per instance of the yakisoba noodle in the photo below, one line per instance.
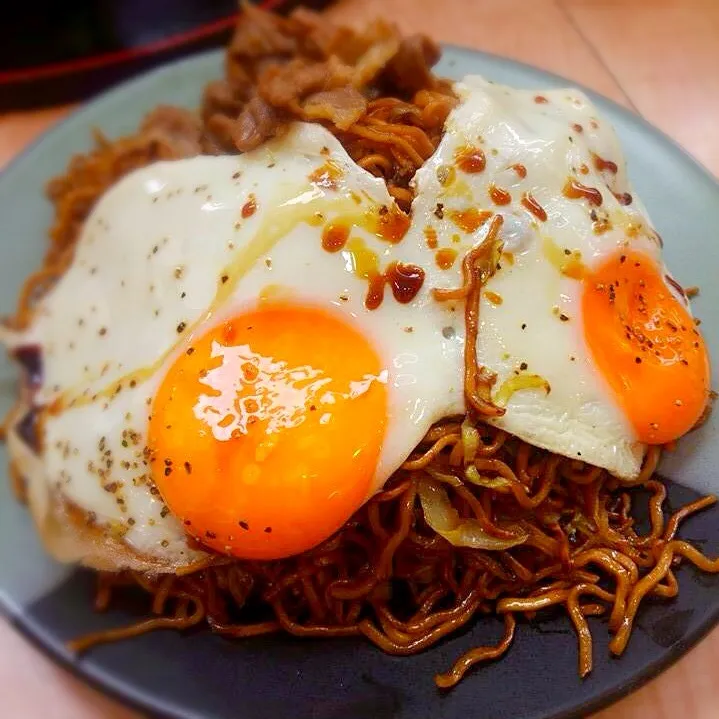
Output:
(563, 532)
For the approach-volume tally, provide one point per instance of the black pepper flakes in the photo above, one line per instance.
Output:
(439, 211)
(244, 525)
(268, 530)
(523, 366)
(188, 467)
(563, 317)
(210, 535)
(103, 331)
(181, 327)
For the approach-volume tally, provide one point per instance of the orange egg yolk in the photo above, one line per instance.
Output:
(646, 345)
(266, 432)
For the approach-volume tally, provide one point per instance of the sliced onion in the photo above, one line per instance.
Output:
(445, 477)
(443, 518)
(470, 441)
(517, 383)
(472, 475)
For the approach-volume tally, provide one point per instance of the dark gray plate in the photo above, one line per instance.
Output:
(203, 675)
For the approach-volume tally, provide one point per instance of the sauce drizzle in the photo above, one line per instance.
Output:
(470, 159)
(392, 224)
(529, 203)
(327, 176)
(405, 281)
(471, 219)
(499, 195)
(335, 236)
(249, 208)
(601, 164)
(445, 258)
(430, 234)
(575, 190)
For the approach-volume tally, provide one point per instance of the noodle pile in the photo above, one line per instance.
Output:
(562, 533)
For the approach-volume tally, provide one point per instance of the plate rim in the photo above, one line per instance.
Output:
(124, 693)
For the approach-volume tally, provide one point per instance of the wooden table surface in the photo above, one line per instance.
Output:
(658, 57)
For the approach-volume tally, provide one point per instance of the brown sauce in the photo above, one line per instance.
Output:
(392, 224)
(471, 159)
(430, 234)
(471, 219)
(327, 175)
(445, 258)
(249, 208)
(601, 164)
(405, 280)
(534, 207)
(499, 195)
(335, 236)
(575, 190)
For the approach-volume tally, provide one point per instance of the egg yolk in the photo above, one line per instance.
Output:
(265, 433)
(646, 345)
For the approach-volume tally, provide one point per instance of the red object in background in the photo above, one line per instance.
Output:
(54, 51)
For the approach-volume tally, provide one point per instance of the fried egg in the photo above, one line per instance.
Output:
(244, 349)
(592, 341)
(233, 355)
